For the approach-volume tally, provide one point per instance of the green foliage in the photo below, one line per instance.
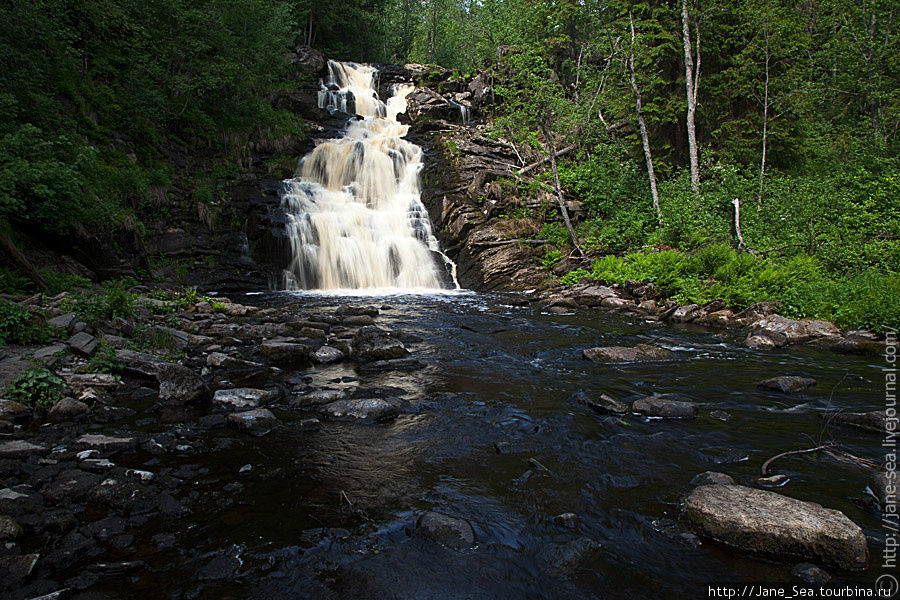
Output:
(19, 326)
(119, 301)
(93, 307)
(550, 258)
(104, 360)
(800, 284)
(37, 386)
(555, 233)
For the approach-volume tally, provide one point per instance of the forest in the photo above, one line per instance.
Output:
(673, 114)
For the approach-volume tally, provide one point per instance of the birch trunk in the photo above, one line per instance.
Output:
(645, 138)
(691, 88)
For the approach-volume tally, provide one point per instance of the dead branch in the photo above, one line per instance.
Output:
(766, 464)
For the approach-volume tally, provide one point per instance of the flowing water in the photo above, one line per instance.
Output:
(331, 513)
(355, 217)
(495, 372)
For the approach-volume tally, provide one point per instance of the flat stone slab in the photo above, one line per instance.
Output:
(96, 440)
(370, 409)
(769, 523)
(19, 449)
(625, 354)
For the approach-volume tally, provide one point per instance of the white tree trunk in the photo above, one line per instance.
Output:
(645, 139)
(691, 86)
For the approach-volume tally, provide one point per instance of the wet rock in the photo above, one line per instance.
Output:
(179, 385)
(769, 523)
(718, 318)
(327, 354)
(567, 520)
(309, 424)
(9, 529)
(762, 342)
(688, 539)
(71, 549)
(10, 410)
(371, 343)
(810, 573)
(686, 314)
(20, 449)
(70, 486)
(452, 532)
(666, 407)
(16, 568)
(875, 421)
(617, 303)
(795, 331)
(257, 422)
(286, 353)
(19, 500)
(357, 321)
(564, 560)
(721, 415)
(223, 566)
(787, 384)
(370, 409)
(625, 354)
(319, 397)
(124, 495)
(68, 409)
(712, 478)
(106, 442)
(395, 364)
(883, 487)
(600, 404)
(83, 343)
(239, 399)
(860, 345)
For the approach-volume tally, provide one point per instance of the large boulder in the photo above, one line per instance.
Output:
(371, 343)
(795, 331)
(179, 385)
(452, 532)
(626, 354)
(764, 522)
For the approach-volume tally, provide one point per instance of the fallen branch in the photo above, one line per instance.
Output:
(506, 242)
(535, 165)
(765, 467)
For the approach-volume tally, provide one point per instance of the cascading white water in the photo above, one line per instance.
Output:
(355, 217)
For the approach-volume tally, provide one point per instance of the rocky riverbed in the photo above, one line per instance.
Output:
(277, 443)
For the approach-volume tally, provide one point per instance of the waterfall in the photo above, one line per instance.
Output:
(354, 213)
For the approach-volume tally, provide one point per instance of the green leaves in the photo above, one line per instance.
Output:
(37, 386)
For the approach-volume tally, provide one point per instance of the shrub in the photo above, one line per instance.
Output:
(104, 360)
(37, 386)
(19, 326)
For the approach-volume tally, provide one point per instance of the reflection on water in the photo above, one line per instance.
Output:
(496, 373)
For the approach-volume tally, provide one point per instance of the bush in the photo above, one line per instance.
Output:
(19, 326)
(104, 360)
(37, 386)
